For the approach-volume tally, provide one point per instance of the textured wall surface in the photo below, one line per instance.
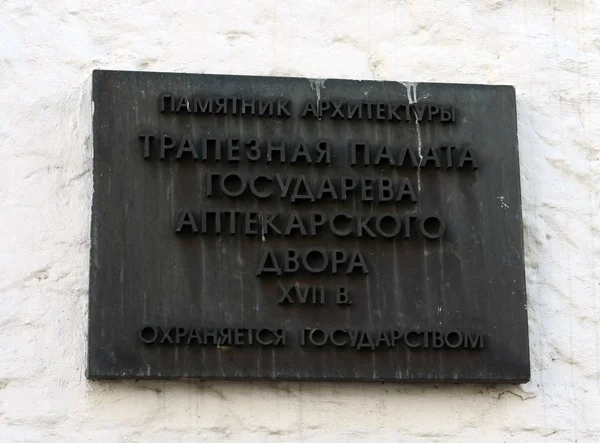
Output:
(548, 49)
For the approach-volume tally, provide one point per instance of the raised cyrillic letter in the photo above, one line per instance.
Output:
(186, 220)
(268, 263)
(338, 257)
(146, 138)
(384, 154)
(431, 156)
(166, 143)
(315, 219)
(473, 340)
(324, 150)
(301, 151)
(164, 98)
(405, 189)
(233, 150)
(355, 148)
(357, 261)
(235, 192)
(186, 145)
(326, 187)
(306, 192)
(148, 334)
(295, 222)
(343, 296)
(432, 227)
(271, 148)
(467, 157)
(318, 268)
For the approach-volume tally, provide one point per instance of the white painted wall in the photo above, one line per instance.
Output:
(548, 49)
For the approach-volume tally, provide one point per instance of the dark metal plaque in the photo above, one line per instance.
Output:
(289, 228)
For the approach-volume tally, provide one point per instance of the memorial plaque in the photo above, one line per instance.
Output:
(300, 229)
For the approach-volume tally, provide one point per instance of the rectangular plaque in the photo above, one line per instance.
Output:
(300, 229)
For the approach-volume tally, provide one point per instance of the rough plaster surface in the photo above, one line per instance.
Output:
(548, 49)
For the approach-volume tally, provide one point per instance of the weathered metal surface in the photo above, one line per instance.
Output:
(436, 285)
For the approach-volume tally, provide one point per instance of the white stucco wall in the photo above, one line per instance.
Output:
(548, 49)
